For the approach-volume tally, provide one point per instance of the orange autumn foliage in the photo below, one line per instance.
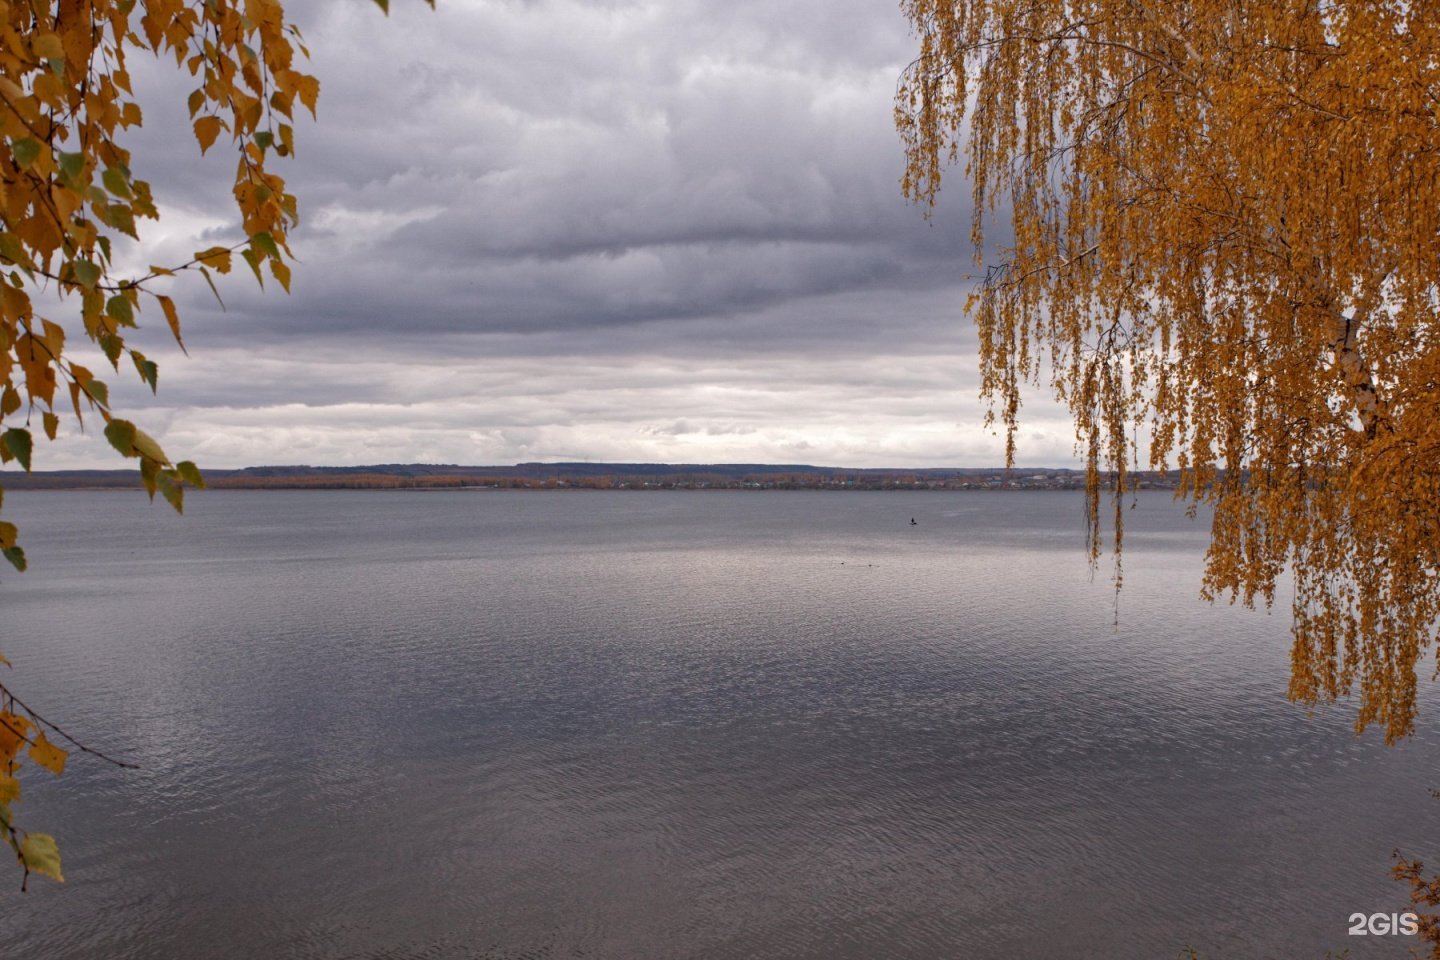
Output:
(1222, 249)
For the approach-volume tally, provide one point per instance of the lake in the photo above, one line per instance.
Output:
(504, 724)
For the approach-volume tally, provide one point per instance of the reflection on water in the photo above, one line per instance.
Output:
(673, 725)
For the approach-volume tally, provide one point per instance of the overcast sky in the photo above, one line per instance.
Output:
(641, 230)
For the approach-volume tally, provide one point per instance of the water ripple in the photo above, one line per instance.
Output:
(391, 727)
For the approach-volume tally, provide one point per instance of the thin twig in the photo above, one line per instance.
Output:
(78, 745)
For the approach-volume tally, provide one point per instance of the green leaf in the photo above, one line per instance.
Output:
(41, 855)
(264, 139)
(148, 370)
(99, 391)
(120, 308)
(25, 150)
(119, 216)
(16, 556)
(213, 289)
(121, 434)
(253, 258)
(146, 446)
(48, 46)
(149, 472)
(87, 273)
(173, 493)
(117, 181)
(72, 165)
(19, 443)
(190, 473)
(112, 347)
(265, 242)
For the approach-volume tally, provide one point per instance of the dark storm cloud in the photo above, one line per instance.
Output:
(506, 166)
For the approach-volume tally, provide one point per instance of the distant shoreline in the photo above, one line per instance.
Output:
(595, 476)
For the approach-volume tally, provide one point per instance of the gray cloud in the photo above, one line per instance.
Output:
(554, 228)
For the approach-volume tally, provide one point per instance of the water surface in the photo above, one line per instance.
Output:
(671, 725)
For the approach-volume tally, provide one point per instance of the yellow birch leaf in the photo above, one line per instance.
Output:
(12, 733)
(75, 402)
(49, 89)
(9, 788)
(48, 755)
(172, 317)
(206, 130)
(217, 257)
(309, 90)
(41, 855)
(54, 336)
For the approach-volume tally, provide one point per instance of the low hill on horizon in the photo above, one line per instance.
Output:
(588, 475)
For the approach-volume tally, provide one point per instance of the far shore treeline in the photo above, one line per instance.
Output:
(594, 476)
